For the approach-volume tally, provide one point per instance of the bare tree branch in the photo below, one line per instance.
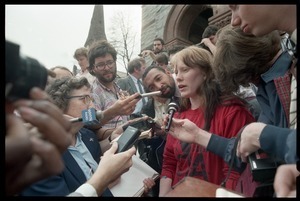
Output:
(123, 37)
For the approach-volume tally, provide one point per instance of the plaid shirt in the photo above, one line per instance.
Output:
(273, 92)
(105, 98)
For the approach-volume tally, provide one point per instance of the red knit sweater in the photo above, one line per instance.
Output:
(182, 159)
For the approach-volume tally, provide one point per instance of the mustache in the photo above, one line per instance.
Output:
(164, 87)
(109, 71)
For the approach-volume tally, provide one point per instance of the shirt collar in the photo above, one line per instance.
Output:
(279, 67)
(108, 89)
(159, 104)
(134, 79)
(294, 36)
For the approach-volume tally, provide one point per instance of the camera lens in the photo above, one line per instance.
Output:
(22, 73)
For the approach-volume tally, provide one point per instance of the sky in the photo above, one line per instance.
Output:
(51, 33)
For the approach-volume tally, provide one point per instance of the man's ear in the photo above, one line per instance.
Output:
(168, 72)
(91, 70)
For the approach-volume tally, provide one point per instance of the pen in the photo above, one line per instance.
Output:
(154, 93)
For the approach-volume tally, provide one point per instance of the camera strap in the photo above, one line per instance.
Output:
(233, 153)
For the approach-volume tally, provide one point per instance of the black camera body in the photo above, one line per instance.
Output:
(263, 167)
(128, 138)
(21, 73)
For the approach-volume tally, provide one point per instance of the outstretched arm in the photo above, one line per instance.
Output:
(110, 168)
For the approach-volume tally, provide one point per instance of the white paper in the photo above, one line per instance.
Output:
(221, 192)
(131, 182)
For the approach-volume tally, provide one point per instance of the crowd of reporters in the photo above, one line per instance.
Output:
(39, 131)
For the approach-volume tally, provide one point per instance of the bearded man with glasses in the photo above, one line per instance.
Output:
(105, 91)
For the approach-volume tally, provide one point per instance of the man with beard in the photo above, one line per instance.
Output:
(158, 48)
(102, 59)
(155, 78)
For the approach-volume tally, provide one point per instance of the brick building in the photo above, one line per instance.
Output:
(180, 24)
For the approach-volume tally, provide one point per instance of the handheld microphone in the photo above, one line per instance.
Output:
(89, 117)
(154, 93)
(172, 108)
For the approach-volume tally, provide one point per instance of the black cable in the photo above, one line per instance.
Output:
(156, 154)
(233, 152)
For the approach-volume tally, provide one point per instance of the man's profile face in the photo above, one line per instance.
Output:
(253, 19)
(157, 80)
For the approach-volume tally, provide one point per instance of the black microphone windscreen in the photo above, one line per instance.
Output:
(172, 108)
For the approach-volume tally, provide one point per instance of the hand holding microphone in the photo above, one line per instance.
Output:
(172, 108)
(89, 117)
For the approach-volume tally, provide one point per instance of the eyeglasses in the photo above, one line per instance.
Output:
(87, 99)
(102, 65)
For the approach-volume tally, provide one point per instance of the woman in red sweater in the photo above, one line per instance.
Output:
(203, 103)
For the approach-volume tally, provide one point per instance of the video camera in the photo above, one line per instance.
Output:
(21, 73)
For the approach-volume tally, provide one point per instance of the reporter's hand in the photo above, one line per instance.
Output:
(18, 149)
(111, 167)
(285, 180)
(249, 141)
(206, 41)
(40, 154)
(119, 130)
(183, 129)
(148, 184)
(125, 106)
(146, 53)
(76, 126)
(47, 117)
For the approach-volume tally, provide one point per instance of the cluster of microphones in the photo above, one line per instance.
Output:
(91, 116)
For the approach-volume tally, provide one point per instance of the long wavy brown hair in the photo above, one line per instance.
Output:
(196, 57)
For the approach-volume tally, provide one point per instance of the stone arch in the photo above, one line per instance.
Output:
(182, 20)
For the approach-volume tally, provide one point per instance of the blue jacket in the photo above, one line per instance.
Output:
(270, 96)
(276, 139)
(72, 176)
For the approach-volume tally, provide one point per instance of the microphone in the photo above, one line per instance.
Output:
(172, 108)
(89, 117)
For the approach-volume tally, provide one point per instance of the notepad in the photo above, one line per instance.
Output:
(131, 182)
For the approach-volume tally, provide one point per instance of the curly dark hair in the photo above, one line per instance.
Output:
(100, 49)
(61, 88)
